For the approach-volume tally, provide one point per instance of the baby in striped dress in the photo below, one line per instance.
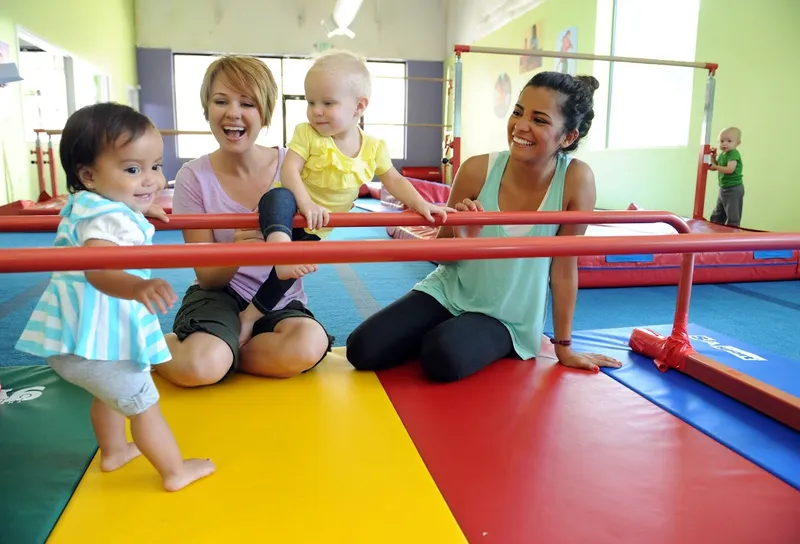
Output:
(99, 329)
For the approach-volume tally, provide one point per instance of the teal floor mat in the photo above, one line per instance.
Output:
(46, 443)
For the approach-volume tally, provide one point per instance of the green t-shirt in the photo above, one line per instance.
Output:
(730, 180)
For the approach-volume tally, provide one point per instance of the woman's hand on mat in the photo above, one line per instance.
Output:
(157, 212)
(585, 361)
(247, 235)
(468, 231)
(155, 293)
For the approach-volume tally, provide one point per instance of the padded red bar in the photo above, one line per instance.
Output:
(198, 255)
(534, 452)
(378, 219)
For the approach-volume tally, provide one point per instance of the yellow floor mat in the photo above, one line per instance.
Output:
(321, 458)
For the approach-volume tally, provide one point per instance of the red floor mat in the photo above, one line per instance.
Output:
(534, 452)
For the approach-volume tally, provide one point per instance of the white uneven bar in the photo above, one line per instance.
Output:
(578, 56)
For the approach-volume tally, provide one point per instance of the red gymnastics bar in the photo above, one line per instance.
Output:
(450, 249)
(49, 223)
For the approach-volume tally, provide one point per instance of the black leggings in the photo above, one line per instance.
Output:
(417, 326)
(276, 211)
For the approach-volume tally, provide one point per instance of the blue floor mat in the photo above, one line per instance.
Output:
(374, 205)
(767, 443)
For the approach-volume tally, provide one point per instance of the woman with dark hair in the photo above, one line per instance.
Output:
(467, 314)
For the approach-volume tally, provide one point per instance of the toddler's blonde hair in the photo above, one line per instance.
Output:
(347, 65)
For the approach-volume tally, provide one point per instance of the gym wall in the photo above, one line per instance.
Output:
(754, 45)
(99, 33)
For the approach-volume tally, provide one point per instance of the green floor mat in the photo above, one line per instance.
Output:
(46, 443)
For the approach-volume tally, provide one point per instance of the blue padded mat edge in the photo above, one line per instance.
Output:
(767, 443)
(374, 205)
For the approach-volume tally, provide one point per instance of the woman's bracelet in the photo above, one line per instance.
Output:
(561, 342)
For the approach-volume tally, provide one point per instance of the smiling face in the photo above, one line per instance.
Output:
(128, 172)
(233, 116)
(333, 105)
(536, 126)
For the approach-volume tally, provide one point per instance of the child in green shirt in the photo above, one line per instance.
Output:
(728, 210)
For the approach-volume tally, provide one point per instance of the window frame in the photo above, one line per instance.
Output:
(284, 97)
(686, 116)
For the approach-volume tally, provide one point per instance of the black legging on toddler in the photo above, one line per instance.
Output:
(276, 210)
(416, 326)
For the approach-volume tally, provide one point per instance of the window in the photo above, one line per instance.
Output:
(273, 135)
(385, 117)
(189, 72)
(295, 114)
(45, 100)
(650, 105)
(294, 76)
(294, 90)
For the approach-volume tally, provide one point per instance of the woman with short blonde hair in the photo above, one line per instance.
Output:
(238, 96)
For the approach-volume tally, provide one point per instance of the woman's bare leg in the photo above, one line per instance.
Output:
(201, 359)
(296, 345)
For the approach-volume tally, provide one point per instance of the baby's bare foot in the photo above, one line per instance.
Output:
(192, 470)
(114, 460)
(287, 271)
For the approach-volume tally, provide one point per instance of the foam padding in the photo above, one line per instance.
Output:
(372, 205)
(322, 457)
(54, 205)
(761, 439)
(46, 443)
(664, 269)
(535, 452)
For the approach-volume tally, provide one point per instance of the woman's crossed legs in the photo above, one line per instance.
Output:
(417, 326)
(205, 342)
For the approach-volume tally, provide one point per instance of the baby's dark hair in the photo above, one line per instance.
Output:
(92, 130)
(577, 104)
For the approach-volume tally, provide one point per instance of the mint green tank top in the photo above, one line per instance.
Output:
(513, 291)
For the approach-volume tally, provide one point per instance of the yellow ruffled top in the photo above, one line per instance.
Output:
(333, 179)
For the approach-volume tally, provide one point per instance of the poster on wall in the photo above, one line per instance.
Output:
(502, 95)
(531, 42)
(8, 70)
(567, 42)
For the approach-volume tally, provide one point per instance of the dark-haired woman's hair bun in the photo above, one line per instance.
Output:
(590, 82)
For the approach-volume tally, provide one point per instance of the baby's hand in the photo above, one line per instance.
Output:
(157, 212)
(155, 292)
(316, 216)
(428, 210)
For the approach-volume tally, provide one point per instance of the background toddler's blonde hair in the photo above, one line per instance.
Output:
(248, 75)
(347, 65)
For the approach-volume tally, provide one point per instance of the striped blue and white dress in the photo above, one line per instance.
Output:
(72, 317)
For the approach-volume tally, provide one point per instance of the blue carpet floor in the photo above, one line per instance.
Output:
(762, 314)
